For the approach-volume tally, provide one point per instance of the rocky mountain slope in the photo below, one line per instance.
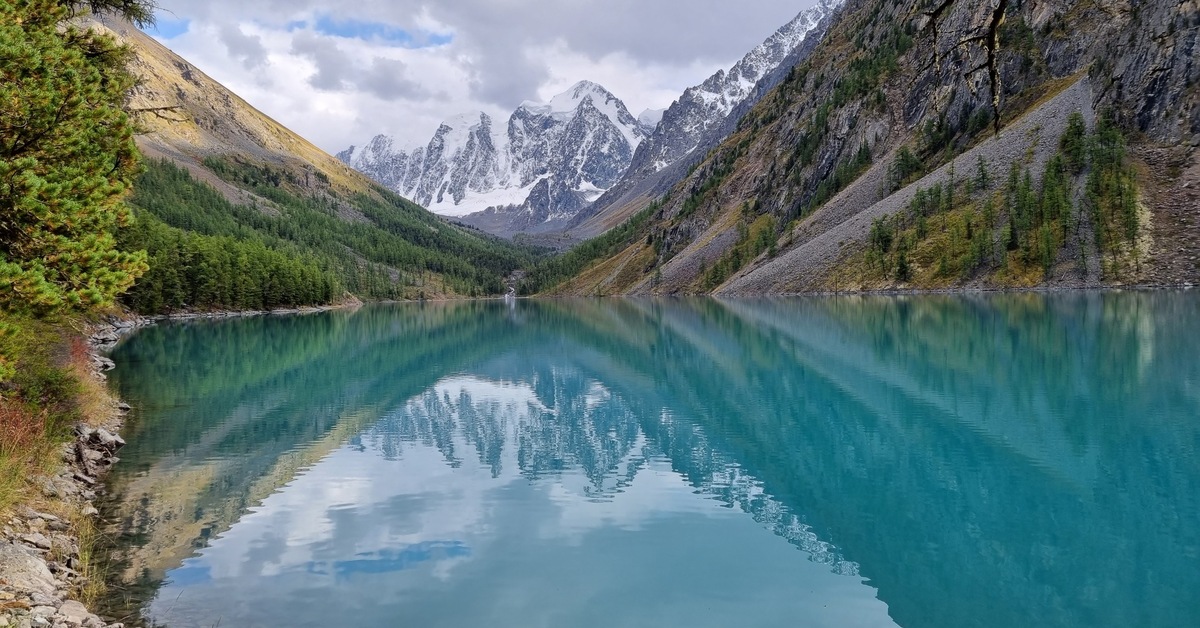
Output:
(278, 199)
(941, 145)
(703, 116)
(545, 162)
(496, 182)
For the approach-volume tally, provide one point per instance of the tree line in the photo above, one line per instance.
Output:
(206, 252)
(956, 229)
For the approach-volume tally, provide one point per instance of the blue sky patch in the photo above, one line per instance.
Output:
(387, 561)
(369, 31)
(167, 28)
(190, 574)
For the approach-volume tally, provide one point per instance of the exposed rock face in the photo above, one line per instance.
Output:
(24, 570)
(701, 109)
(1156, 68)
(939, 80)
(547, 161)
(705, 115)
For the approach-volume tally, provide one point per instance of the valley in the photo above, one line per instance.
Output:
(898, 330)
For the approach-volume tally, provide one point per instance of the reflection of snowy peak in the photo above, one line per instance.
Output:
(549, 160)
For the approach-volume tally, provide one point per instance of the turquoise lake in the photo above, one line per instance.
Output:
(925, 461)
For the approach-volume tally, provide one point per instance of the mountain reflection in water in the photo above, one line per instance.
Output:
(936, 461)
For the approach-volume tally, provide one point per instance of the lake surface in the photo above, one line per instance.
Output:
(941, 461)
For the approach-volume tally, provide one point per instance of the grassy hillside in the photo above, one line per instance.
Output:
(858, 172)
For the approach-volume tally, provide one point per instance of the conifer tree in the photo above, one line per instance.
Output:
(140, 12)
(67, 160)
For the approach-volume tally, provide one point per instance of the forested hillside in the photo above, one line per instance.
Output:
(237, 212)
(942, 145)
(206, 252)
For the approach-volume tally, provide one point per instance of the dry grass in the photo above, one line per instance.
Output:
(1019, 274)
(51, 389)
(90, 566)
(93, 401)
(24, 451)
(596, 280)
(28, 399)
(634, 269)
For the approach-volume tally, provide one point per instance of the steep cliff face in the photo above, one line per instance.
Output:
(702, 117)
(900, 99)
(691, 119)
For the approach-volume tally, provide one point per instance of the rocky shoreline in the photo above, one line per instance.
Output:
(41, 562)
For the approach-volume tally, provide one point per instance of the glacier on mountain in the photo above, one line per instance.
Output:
(702, 108)
(550, 158)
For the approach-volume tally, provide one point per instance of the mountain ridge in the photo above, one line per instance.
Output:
(506, 208)
(699, 119)
(666, 156)
(859, 153)
(548, 158)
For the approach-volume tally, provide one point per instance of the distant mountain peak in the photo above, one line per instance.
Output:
(554, 158)
(705, 114)
(566, 103)
(467, 120)
(703, 107)
(650, 118)
(549, 159)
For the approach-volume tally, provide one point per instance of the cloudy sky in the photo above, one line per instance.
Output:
(340, 72)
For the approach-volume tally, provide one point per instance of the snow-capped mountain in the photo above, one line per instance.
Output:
(552, 161)
(548, 161)
(702, 108)
(703, 116)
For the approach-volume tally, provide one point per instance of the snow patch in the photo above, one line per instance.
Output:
(500, 197)
(651, 117)
(590, 191)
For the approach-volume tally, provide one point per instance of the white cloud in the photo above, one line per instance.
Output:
(338, 74)
(411, 534)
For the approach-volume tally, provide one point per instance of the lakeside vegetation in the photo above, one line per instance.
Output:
(67, 162)
(1014, 231)
(208, 253)
(49, 389)
(86, 226)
